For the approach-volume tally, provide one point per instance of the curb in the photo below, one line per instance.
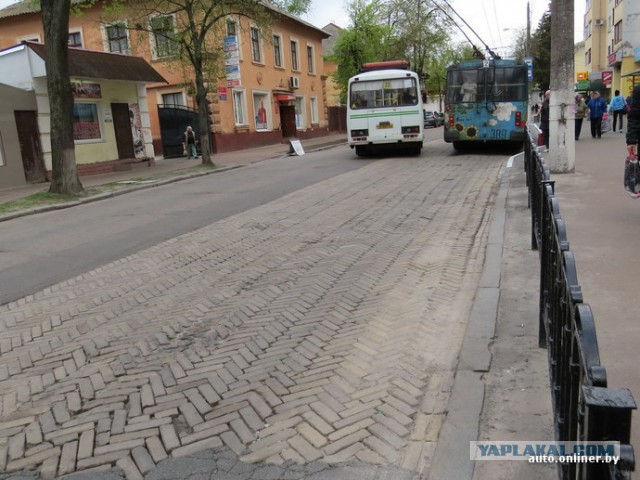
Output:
(104, 196)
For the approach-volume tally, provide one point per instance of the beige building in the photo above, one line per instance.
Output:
(273, 87)
(611, 45)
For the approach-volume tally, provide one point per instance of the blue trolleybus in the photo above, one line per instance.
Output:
(486, 101)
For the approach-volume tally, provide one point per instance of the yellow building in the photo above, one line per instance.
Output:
(275, 90)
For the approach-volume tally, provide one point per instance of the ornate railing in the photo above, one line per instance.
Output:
(584, 408)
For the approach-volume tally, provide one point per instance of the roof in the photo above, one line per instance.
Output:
(634, 73)
(25, 6)
(108, 66)
(28, 6)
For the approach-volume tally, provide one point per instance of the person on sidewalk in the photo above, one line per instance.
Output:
(597, 108)
(633, 122)
(189, 143)
(544, 119)
(581, 112)
(617, 106)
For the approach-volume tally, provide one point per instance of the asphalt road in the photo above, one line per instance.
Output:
(40, 250)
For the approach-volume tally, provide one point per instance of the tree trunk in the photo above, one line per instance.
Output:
(561, 104)
(55, 21)
(204, 128)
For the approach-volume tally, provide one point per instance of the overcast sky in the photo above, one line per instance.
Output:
(493, 20)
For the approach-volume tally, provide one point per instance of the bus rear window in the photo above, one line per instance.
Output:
(397, 92)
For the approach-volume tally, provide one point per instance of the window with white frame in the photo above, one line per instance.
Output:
(163, 39)
(262, 110)
(175, 98)
(256, 47)
(86, 122)
(277, 50)
(310, 59)
(117, 38)
(300, 112)
(294, 55)
(75, 39)
(313, 103)
(240, 107)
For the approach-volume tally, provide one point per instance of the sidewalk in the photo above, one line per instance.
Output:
(226, 160)
(603, 227)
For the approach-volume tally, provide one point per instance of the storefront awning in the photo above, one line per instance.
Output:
(285, 97)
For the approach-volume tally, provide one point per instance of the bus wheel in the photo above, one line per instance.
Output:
(415, 151)
(458, 146)
(362, 151)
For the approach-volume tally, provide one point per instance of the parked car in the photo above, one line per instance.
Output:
(431, 119)
(440, 118)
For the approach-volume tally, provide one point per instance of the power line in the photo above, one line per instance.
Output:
(493, 54)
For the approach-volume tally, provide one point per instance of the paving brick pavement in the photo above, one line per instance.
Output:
(318, 329)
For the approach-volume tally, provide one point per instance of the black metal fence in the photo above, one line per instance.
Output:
(584, 408)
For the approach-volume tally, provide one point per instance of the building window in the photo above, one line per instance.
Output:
(300, 113)
(313, 102)
(173, 99)
(294, 55)
(617, 32)
(587, 57)
(239, 107)
(262, 109)
(310, 62)
(86, 122)
(256, 52)
(75, 39)
(231, 27)
(29, 38)
(277, 50)
(163, 36)
(117, 38)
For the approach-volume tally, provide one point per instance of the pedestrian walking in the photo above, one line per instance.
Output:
(189, 143)
(631, 170)
(617, 106)
(544, 118)
(597, 108)
(581, 112)
(633, 122)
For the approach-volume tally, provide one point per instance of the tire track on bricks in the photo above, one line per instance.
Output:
(279, 308)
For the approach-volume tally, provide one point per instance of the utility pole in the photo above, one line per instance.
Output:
(561, 157)
(527, 45)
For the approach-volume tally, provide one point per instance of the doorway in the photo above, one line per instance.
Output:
(30, 147)
(288, 121)
(122, 127)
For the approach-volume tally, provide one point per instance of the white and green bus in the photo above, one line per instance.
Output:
(384, 109)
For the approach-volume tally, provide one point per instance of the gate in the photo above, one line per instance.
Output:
(337, 119)
(174, 120)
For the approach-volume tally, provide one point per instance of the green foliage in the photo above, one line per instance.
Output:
(365, 41)
(541, 52)
(437, 63)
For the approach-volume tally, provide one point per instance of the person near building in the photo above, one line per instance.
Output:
(544, 118)
(617, 107)
(633, 122)
(581, 112)
(597, 108)
(189, 143)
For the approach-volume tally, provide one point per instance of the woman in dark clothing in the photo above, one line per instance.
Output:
(544, 118)
(633, 122)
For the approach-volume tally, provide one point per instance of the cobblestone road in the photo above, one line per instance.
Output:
(324, 326)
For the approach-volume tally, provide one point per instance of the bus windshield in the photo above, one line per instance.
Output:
(499, 84)
(396, 92)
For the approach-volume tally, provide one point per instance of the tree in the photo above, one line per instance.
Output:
(437, 64)
(195, 36)
(55, 22)
(541, 52)
(366, 40)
